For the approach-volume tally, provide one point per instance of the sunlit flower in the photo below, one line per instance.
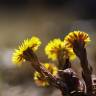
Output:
(41, 80)
(78, 36)
(54, 47)
(32, 44)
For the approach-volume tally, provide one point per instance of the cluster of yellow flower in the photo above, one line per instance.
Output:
(55, 46)
(52, 50)
(32, 43)
(76, 35)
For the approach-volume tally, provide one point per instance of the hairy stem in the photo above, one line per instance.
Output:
(63, 62)
(80, 51)
(56, 82)
(86, 74)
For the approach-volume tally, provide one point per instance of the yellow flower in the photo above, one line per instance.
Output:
(32, 43)
(76, 36)
(69, 53)
(54, 47)
(41, 80)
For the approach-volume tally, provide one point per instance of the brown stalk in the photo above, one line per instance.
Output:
(30, 56)
(63, 63)
(80, 51)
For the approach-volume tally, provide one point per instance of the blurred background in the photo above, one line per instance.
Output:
(47, 19)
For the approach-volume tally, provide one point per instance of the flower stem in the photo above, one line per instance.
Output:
(63, 62)
(53, 80)
(86, 74)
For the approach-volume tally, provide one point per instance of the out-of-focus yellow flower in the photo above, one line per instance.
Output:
(76, 36)
(54, 47)
(33, 44)
(41, 80)
(69, 53)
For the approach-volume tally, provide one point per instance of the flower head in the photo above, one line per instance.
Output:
(76, 36)
(32, 44)
(54, 47)
(40, 80)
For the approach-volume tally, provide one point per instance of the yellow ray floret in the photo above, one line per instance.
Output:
(41, 80)
(32, 43)
(55, 46)
(76, 36)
